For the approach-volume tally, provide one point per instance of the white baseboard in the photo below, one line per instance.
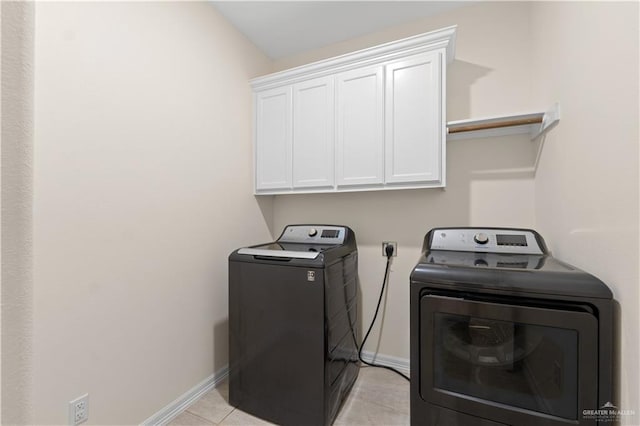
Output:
(401, 364)
(176, 407)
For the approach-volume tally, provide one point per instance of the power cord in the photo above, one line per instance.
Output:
(389, 253)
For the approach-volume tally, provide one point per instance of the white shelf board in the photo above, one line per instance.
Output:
(549, 119)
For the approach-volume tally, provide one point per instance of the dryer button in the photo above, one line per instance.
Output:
(481, 238)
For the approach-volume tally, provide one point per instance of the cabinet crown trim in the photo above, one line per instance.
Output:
(440, 39)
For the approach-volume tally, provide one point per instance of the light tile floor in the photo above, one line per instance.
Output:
(379, 397)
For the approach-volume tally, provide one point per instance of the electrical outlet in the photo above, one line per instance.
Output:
(79, 410)
(389, 243)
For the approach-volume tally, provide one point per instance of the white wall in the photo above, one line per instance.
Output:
(0, 214)
(586, 57)
(17, 189)
(142, 189)
(489, 181)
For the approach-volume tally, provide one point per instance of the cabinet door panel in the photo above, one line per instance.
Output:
(313, 133)
(414, 119)
(360, 127)
(273, 139)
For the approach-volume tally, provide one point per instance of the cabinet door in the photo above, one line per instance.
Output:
(313, 133)
(360, 127)
(414, 119)
(273, 139)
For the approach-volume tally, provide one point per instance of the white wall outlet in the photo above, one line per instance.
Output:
(389, 243)
(79, 410)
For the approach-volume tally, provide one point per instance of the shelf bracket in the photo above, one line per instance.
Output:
(537, 125)
(549, 120)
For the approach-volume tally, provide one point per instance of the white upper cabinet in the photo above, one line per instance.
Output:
(273, 139)
(313, 133)
(414, 119)
(360, 127)
(369, 120)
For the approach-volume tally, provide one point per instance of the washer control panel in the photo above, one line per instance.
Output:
(313, 234)
(515, 241)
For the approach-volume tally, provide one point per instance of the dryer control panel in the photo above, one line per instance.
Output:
(313, 234)
(487, 240)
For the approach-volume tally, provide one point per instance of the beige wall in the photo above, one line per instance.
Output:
(489, 181)
(586, 57)
(491, 73)
(0, 218)
(142, 189)
(584, 198)
(17, 189)
(142, 186)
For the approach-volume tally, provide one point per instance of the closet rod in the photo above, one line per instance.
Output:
(495, 125)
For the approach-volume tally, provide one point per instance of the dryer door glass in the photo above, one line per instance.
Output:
(513, 363)
(507, 357)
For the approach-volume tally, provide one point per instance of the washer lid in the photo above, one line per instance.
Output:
(287, 250)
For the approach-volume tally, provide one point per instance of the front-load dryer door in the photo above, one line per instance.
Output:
(508, 363)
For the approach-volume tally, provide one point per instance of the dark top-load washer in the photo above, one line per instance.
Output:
(292, 325)
(502, 333)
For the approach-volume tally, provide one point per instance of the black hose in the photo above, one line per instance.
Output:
(375, 315)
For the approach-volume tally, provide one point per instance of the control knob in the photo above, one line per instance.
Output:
(313, 232)
(481, 238)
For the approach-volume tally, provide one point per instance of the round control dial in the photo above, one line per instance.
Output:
(313, 232)
(481, 238)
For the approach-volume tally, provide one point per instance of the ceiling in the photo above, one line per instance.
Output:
(285, 28)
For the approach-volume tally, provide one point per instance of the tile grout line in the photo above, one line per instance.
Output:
(200, 417)
(369, 400)
(225, 417)
(204, 418)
